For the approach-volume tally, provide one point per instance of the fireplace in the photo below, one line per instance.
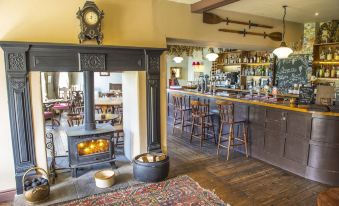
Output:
(90, 147)
(21, 58)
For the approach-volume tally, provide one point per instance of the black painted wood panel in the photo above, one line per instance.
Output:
(19, 110)
(22, 57)
(325, 130)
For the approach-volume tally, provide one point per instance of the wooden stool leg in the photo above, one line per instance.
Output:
(213, 132)
(245, 138)
(219, 139)
(175, 120)
(192, 129)
(202, 136)
(182, 121)
(230, 138)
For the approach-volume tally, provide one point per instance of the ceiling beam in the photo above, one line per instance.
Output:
(206, 5)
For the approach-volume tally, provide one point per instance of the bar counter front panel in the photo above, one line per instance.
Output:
(299, 141)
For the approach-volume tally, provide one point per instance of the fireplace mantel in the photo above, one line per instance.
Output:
(23, 57)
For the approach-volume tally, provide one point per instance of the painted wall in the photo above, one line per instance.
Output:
(129, 23)
(7, 177)
(101, 83)
(176, 21)
(134, 121)
(37, 115)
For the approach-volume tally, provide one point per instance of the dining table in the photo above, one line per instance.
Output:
(106, 117)
(105, 103)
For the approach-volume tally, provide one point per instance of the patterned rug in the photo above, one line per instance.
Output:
(180, 190)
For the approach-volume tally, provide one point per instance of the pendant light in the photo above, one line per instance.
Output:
(178, 59)
(211, 56)
(283, 51)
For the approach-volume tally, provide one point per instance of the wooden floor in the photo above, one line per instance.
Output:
(239, 181)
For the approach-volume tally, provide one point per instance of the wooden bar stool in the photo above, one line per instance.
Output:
(202, 118)
(226, 112)
(181, 109)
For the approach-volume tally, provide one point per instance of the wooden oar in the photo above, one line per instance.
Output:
(210, 18)
(275, 36)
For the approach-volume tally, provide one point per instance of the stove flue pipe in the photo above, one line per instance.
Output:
(89, 100)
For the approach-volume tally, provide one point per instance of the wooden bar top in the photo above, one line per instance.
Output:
(297, 108)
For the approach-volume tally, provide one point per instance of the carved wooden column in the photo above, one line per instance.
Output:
(153, 100)
(19, 110)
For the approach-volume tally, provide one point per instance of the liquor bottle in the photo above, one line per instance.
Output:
(321, 71)
(327, 73)
(329, 54)
(336, 54)
(322, 55)
(333, 72)
(337, 72)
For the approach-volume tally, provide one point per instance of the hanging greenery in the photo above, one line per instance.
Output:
(179, 50)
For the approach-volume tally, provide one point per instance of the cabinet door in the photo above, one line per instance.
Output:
(257, 115)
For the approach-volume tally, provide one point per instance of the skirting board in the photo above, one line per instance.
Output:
(7, 195)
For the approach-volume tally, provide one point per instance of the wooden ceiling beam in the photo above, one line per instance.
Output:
(206, 5)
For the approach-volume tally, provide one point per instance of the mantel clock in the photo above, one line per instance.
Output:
(90, 22)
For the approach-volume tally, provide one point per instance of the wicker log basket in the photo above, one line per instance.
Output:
(36, 187)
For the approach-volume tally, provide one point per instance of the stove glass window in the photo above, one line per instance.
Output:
(92, 147)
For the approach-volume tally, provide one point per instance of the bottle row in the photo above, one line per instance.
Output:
(329, 54)
(238, 58)
(257, 71)
(327, 72)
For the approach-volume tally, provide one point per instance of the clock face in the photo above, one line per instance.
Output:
(91, 17)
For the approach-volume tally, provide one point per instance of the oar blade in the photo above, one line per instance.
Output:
(275, 36)
(210, 18)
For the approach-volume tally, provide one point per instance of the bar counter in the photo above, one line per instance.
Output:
(293, 138)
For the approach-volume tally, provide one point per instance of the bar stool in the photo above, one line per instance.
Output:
(181, 109)
(226, 112)
(201, 117)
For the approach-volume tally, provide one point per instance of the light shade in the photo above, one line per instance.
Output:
(212, 57)
(283, 51)
(178, 59)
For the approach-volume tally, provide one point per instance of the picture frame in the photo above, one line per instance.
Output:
(104, 74)
(177, 71)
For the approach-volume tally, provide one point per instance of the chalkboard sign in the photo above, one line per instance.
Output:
(306, 95)
(293, 70)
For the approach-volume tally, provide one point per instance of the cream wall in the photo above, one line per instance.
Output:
(176, 21)
(134, 121)
(38, 123)
(7, 177)
(127, 22)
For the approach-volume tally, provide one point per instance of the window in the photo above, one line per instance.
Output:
(63, 80)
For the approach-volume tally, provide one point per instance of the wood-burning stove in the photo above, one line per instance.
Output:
(90, 147)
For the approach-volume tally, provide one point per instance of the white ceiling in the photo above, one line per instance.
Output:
(301, 11)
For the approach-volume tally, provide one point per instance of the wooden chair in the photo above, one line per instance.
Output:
(181, 109)
(202, 118)
(118, 129)
(49, 113)
(74, 119)
(226, 112)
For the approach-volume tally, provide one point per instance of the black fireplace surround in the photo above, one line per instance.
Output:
(23, 57)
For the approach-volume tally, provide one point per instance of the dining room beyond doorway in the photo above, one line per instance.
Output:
(63, 105)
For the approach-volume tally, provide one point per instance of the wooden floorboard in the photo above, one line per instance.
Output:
(239, 181)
